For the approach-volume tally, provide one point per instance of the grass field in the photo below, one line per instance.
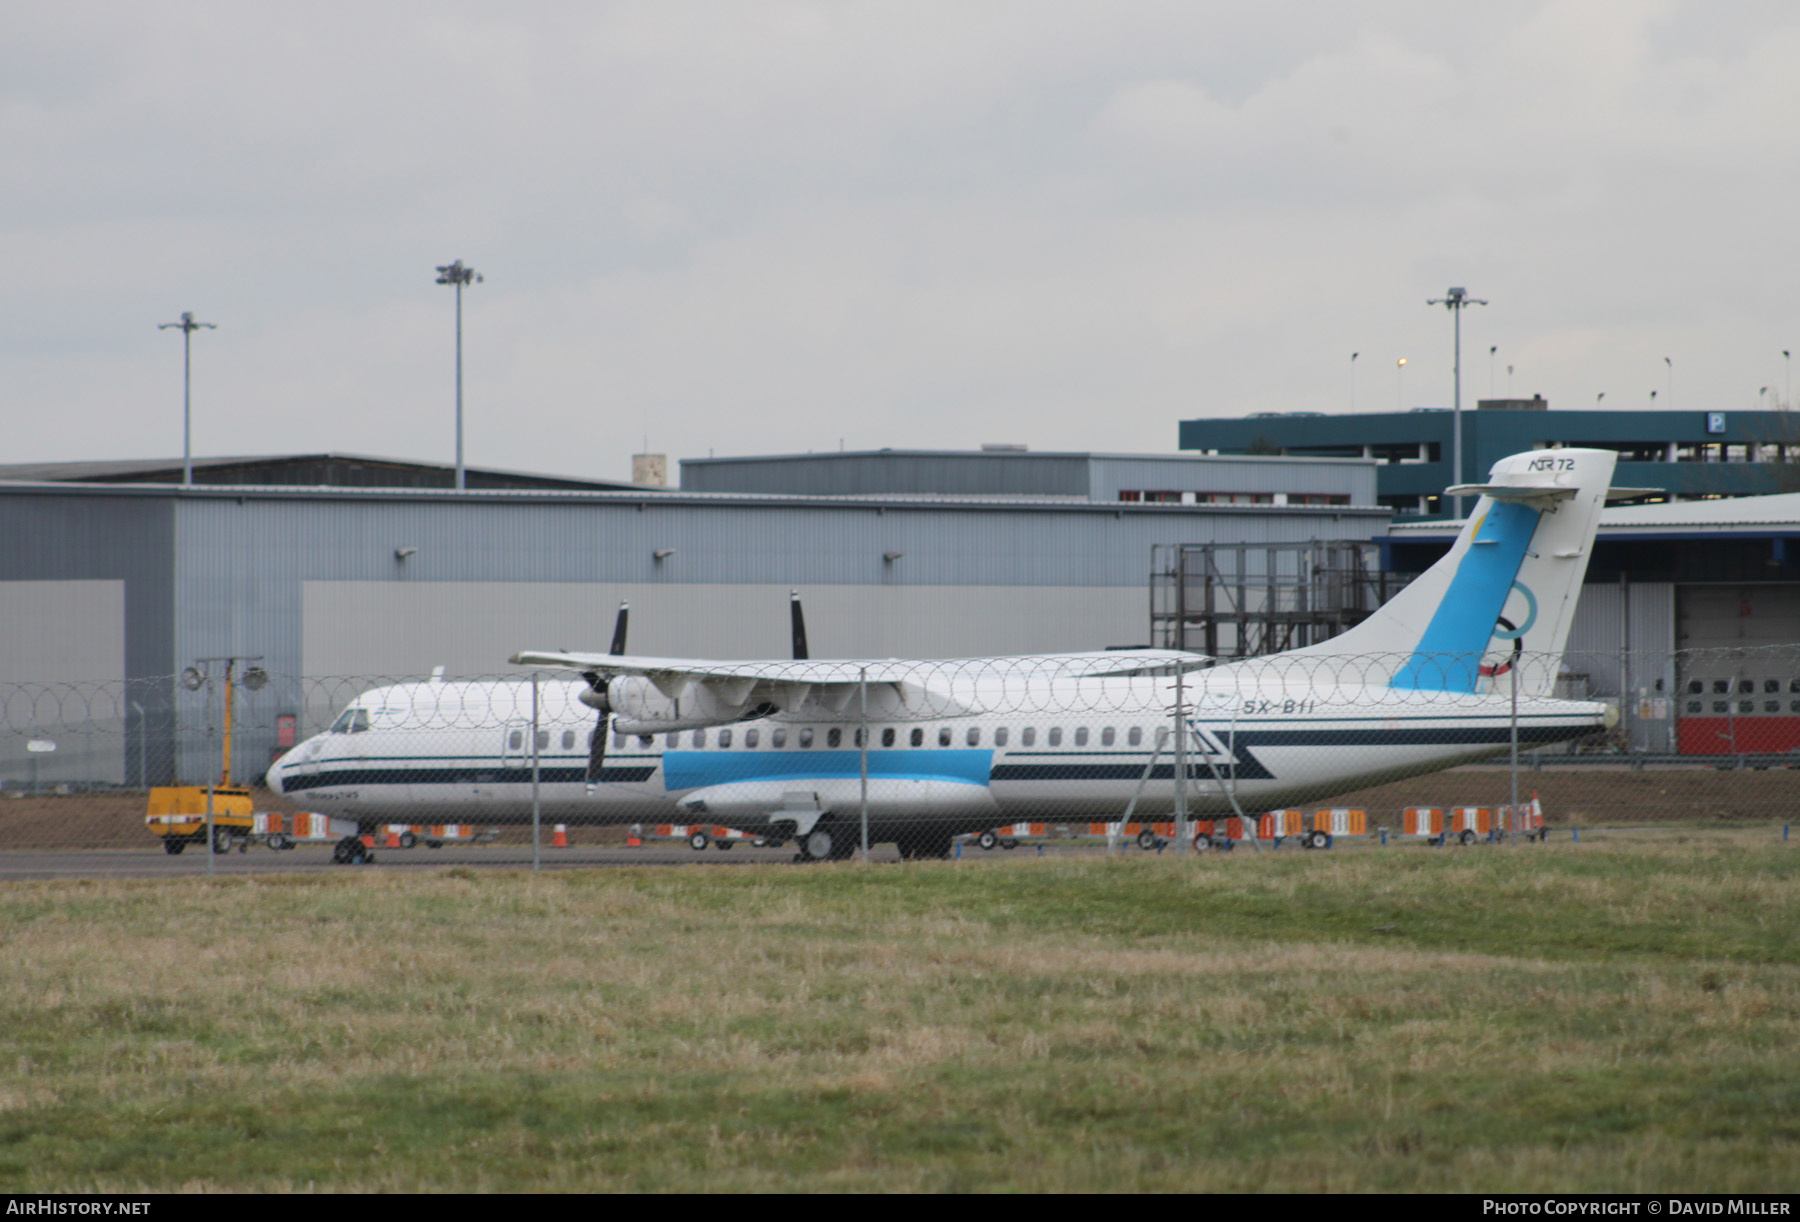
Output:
(1617, 1015)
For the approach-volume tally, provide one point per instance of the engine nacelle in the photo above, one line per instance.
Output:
(640, 707)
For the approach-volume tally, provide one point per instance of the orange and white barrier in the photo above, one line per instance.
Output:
(1525, 819)
(1341, 821)
(1427, 821)
(303, 828)
(560, 840)
(1128, 830)
(1476, 819)
(1232, 828)
(1020, 831)
(1277, 824)
(724, 837)
(406, 835)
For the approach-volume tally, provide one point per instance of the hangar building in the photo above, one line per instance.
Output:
(1687, 454)
(117, 587)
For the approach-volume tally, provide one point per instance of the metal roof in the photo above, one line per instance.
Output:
(166, 470)
(631, 494)
(1177, 456)
(1718, 515)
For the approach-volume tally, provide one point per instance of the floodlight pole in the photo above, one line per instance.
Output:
(1456, 300)
(1181, 733)
(862, 735)
(187, 326)
(537, 810)
(458, 275)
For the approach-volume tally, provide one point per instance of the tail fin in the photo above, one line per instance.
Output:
(1508, 585)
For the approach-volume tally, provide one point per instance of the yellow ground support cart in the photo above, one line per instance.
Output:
(177, 813)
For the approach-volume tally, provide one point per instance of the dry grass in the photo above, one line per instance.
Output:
(1617, 1016)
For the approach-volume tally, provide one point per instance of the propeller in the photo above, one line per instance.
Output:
(798, 618)
(595, 697)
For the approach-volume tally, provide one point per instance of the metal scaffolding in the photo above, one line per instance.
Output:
(1244, 600)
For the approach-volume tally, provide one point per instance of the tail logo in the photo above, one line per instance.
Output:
(1506, 632)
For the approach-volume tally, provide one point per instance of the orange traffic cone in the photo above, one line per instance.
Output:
(393, 839)
(561, 839)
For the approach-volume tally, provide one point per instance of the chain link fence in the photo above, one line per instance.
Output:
(1089, 753)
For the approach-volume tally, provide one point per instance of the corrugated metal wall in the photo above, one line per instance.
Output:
(1613, 621)
(1094, 477)
(1035, 573)
(899, 471)
(1352, 478)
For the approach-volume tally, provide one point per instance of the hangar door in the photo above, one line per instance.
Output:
(1740, 668)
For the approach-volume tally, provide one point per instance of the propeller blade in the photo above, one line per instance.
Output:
(618, 642)
(798, 619)
(597, 748)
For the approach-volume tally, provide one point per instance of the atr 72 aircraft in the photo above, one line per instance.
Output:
(1436, 677)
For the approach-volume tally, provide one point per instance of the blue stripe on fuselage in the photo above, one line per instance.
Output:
(700, 769)
(1448, 658)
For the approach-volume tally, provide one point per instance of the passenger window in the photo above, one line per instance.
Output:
(1693, 706)
(1107, 736)
(778, 737)
(1771, 706)
(672, 742)
(859, 737)
(834, 736)
(619, 741)
(1000, 736)
(1056, 736)
(1771, 685)
(943, 736)
(1695, 686)
(699, 739)
(918, 737)
(568, 740)
(1721, 706)
(751, 738)
(1081, 736)
(887, 737)
(1135, 736)
(1720, 686)
(973, 737)
(724, 738)
(1746, 686)
(1028, 736)
(515, 740)
(543, 739)
(806, 736)
(1746, 706)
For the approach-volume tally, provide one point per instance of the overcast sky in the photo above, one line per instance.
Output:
(771, 227)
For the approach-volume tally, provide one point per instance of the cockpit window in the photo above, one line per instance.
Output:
(351, 721)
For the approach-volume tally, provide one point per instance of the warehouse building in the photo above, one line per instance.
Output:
(1686, 454)
(117, 587)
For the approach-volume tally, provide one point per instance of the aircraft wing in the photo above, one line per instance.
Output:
(702, 671)
(1120, 663)
(948, 688)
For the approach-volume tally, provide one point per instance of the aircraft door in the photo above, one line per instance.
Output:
(515, 744)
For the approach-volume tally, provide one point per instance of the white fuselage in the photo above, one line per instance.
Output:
(999, 746)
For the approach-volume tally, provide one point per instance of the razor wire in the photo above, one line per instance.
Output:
(1065, 740)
